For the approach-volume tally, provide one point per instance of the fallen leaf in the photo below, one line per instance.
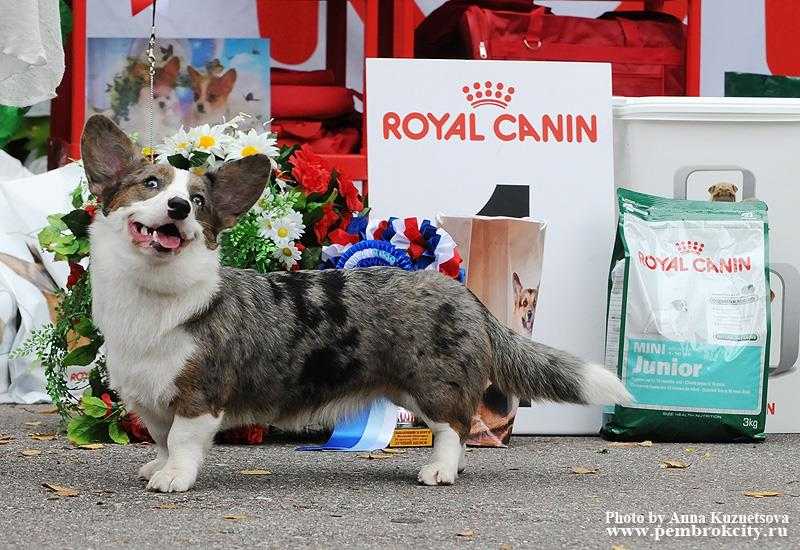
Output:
(30, 452)
(690, 450)
(762, 494)
(706, 455)
(618, 547)
(91, 446)
(255, 472)
(6, 439)
(43, 437)
(505, 546)
(466, 533)
(167, 506)
(410, 521)
(61, 490)
(233, 517)
(621, 444)
(49, 410)
(393, 451)
(582, 470)
(375, 456)
(33, 423)
(679, 464)
(602, 451)
(647, 443)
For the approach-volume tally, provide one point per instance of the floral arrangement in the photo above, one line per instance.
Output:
(306, 206)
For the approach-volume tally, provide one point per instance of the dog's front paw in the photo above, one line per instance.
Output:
(171, 480)
(147, 471)
(437, 474)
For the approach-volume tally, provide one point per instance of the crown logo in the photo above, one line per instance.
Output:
(689, 247)
(488, 93)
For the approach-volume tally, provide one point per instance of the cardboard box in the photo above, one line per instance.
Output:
(503, 263)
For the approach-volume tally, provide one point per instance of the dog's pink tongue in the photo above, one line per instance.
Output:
(167, 241)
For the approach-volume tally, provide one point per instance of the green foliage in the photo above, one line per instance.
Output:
(243, 247)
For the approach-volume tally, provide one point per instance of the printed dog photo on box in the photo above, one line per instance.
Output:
(196, 81)
(503, 259)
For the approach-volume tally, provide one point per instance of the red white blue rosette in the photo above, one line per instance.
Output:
(425, 245)
(372, 253)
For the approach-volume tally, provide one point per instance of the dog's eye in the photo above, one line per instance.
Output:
(151, 183)
(198, 200)
(524, 303)
(212, 98)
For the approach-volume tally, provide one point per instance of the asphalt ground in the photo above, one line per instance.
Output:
(525, 496)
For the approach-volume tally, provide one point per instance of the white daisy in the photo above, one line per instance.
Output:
(252, 143)
(179, 143)
(288, 254)
(210, 139)
(284, 229)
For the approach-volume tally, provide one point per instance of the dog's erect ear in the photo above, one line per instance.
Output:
(169, 72)
(735, 188)
(237, 185)
(194, 76)
(108, 155)
(224, 84)
(517, 284)
(712, 189)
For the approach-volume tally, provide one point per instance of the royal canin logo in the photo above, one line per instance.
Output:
(507, 126)
(700, 264)
(689, 247)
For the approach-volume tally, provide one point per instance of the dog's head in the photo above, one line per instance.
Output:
(211, 90)
(723, 192)
(158, 212)
(524, 303)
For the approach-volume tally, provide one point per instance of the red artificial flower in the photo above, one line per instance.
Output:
(340, 236)
(324, 224)
(91, 210)
(134, 427)
(310, 171)
(76, 271)
(109, 404)
(351, 197)
(299, 246)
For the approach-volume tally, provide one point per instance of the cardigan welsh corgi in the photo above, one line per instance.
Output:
(194, 347)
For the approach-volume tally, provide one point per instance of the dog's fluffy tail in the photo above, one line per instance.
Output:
(527, 369)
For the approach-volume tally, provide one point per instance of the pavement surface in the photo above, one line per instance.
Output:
(526, 496)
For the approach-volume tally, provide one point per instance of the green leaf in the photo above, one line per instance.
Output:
(310, 257)
(55, 221)
(82, 356)
(66, 249)
(179, 161)
(83, 247)
(94, 406)
(48, 235)
(198, 158)
(77, 197)
(84, 327)
(78, 222)
(117, 434)
(85, 429)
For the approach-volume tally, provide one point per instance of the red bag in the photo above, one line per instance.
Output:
(646, 49)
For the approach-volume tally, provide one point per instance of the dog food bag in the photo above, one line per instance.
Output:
(688, 319)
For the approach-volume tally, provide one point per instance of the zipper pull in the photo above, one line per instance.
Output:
(482, 50)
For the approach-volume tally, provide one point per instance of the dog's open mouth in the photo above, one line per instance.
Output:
(164, 238)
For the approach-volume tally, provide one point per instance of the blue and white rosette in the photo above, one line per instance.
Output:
(374, 253)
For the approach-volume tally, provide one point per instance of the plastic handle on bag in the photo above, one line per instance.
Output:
(681, 180)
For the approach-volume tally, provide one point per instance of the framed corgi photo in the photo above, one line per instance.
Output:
(196, 81)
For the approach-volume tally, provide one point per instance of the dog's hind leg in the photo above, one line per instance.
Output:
(188, 441)
(447, 458)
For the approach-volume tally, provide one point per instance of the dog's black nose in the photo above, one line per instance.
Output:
(178, 208)
(161, 104)
(201, 108)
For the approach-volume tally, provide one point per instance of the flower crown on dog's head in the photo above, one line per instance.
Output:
(205, 147)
